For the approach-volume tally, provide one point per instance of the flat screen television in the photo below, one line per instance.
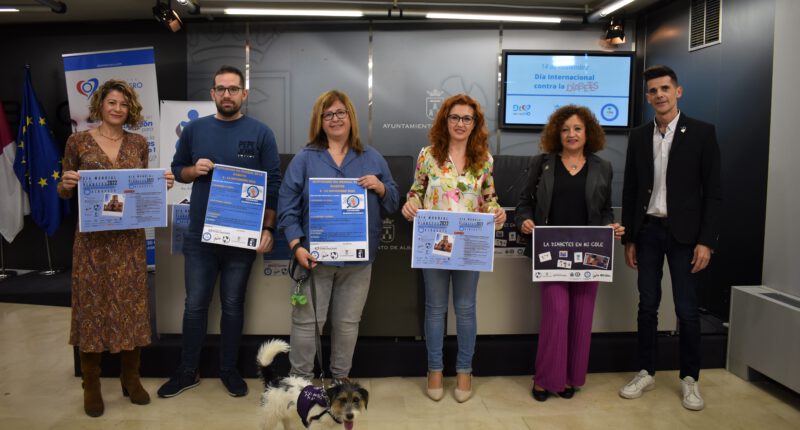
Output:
(536, 83)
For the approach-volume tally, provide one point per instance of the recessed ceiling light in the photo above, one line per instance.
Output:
(485, 17)
(294, 12)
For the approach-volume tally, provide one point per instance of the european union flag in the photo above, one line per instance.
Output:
(38, 162)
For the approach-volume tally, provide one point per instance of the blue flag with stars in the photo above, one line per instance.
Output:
(38, 162)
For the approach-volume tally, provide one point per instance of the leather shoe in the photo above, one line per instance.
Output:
(435, 394)
(567, 393)
(463, 395)
(540, 396)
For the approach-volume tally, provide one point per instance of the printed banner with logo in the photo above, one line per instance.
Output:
(86, 71)
(175, 116)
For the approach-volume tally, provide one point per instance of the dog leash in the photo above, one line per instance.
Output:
(298, 298)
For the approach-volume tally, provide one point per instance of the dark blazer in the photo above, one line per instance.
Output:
(534, 202)
(693, 182)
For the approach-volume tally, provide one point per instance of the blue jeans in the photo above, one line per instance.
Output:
(202, 263)
(437, 289)
(653, 242)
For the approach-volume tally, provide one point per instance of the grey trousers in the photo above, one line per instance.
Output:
(341, 293)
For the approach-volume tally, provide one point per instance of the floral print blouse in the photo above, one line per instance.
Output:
(442, 188)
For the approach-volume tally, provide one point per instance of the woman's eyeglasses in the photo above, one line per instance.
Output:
(454, 119)
(340, 114)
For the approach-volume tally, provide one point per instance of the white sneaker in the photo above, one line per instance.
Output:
(691, 394)
(640, 383)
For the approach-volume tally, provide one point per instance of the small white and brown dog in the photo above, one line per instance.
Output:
(298, 404)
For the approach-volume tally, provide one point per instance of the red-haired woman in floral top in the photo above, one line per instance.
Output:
(454, 174)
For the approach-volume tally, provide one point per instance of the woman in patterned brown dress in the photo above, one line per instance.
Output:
(110, 308)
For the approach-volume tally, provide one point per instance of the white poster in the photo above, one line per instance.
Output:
(85, 72)
(175, 115)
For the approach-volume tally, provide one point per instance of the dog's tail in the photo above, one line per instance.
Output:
(266, 354)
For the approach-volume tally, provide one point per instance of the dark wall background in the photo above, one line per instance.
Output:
(41, 46)
(729, 85)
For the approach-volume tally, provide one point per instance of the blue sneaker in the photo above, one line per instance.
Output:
(233, 382)
(180, 382)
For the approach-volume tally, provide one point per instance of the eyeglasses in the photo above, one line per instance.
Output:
(220, 91)
(328, 116)
(454, 119)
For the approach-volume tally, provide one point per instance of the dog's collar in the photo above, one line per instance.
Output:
(309, 397)
(318, 416)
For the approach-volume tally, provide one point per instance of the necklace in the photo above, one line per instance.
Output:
(573, 166)
(113, 139)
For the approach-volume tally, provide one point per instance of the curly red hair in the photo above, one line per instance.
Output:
(551, 134)
(478, 142)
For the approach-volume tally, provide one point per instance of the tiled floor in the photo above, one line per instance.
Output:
(38, 391)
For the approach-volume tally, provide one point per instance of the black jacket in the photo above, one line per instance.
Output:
(534, 202)
(693, 182)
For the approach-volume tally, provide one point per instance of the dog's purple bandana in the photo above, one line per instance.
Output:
(309, 397)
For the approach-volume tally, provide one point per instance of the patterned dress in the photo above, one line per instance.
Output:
(110, 307)
(442, 188)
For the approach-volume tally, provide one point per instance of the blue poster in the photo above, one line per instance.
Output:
(573, 254)
(337, 209)
(453, 241)
(180, 225)
(121, 199)
(236, 205)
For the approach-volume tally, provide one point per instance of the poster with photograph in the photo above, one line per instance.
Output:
(338, 219)
(453, 241)
(121, 199)
(236, 204)
(573, 254)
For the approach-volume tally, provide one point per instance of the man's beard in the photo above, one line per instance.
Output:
(228, 112)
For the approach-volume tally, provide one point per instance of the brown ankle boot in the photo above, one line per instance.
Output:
(129, 377)
(92, 398)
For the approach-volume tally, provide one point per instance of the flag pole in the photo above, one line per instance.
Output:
(4, 274)
(50, 271)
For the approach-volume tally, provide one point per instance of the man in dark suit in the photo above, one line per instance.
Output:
(670, 204)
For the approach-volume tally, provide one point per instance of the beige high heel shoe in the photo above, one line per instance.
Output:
(463, 395)
(435, 394)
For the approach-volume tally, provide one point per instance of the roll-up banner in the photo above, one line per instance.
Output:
(175, 115)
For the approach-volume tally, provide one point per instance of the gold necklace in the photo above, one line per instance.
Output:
(113, 139)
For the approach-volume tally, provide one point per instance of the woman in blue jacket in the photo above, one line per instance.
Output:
(334, 151)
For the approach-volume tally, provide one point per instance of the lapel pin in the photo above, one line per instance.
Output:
(683, 129)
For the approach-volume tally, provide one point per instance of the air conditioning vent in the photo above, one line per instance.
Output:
(705, 18)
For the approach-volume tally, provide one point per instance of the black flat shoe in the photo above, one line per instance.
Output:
(540, 396)
(567, 393)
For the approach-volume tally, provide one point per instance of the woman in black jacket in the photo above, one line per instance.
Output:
(568, 185)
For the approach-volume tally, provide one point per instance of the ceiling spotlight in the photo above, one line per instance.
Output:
(615, 32)
(164, 14)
